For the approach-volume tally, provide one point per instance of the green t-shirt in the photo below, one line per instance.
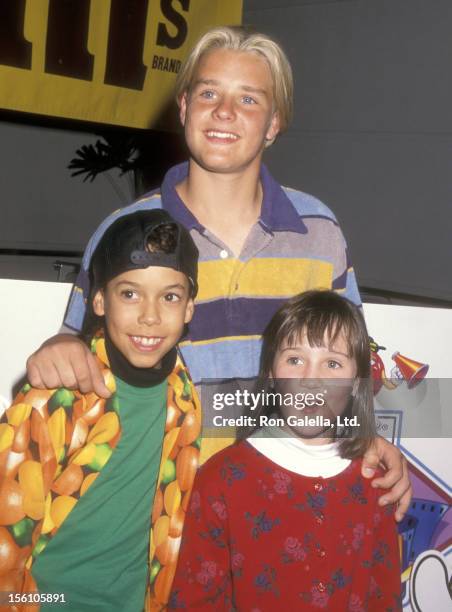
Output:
(99, 557)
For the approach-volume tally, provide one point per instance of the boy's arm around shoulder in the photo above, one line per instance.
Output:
(66, 361)
(395, 479)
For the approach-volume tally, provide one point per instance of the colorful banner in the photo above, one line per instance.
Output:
(105, 61)
(413, 389)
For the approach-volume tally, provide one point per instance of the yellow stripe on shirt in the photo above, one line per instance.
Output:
(265, 277)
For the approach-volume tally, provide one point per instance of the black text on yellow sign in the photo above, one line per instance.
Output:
(108, 61)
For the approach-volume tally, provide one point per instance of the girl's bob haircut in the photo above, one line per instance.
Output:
(323, 316)
(238, 38)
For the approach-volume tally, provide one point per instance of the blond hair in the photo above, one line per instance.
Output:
(238, 38)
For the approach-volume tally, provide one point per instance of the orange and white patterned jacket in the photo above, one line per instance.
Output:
(53, 445)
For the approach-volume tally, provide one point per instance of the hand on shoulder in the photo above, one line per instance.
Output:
(395, 478)
(65, 361)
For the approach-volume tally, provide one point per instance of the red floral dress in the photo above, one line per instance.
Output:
(258, 537)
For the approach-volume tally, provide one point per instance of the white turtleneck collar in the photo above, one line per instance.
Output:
(296, 456)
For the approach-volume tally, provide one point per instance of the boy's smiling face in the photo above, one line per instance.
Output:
(145, 312)
(228, 113)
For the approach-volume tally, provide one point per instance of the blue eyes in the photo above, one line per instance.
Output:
(297, 361)
(294, 361)
(334, 365)
(210, 95)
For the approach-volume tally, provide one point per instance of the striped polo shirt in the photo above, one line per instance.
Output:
(295, 245)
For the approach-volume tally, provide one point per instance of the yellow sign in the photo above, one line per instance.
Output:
(104, 61)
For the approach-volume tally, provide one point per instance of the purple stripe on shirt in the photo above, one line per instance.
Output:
(236, 317)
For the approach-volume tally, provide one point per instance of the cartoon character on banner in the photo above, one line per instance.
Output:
(431, 583)
(426, 531)
(405, 369)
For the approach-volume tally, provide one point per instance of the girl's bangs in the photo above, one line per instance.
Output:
(319, 326)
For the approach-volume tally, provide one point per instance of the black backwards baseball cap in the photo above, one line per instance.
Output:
(128, 244)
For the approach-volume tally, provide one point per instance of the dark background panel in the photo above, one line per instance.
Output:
(372, 131)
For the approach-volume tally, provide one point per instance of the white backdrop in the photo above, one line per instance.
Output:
(32, 311)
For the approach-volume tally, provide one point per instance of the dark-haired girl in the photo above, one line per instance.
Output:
(284, 518)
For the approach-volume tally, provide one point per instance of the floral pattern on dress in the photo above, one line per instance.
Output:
(219, 507)
(261, 523)
(280, 484)
(293, 550)
(230, 472)
(237, 560)
(356, 492)
(321, 591)
(285, 540)
(266, 580)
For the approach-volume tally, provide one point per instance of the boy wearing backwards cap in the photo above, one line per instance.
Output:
(84, 480)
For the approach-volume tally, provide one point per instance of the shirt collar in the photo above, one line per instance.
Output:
(172, 203)
(277, 214)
